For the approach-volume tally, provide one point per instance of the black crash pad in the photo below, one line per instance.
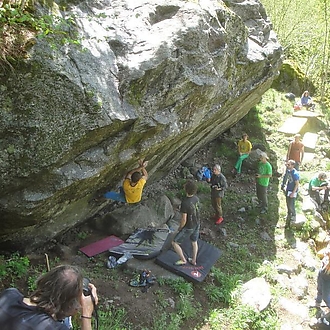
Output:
(206, 257)
(144, 243)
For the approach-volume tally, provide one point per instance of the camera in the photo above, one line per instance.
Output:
(86, 290)
(216, 186)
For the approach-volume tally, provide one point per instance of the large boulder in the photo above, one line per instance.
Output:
(150, 79)
(126, 218)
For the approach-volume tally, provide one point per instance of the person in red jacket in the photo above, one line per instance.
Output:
(296, 151)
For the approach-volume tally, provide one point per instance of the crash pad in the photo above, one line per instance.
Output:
(144, 243)
(206, 257)
(309, 140)
(101, 246)
(293, 125)
(306, 114)
(308, 157)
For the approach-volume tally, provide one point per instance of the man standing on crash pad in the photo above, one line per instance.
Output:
(189, 225)
(131, 191)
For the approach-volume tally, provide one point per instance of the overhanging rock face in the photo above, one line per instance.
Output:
(155, 79)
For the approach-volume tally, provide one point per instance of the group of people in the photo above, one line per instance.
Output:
(59, 293)
(264, 171)
(190, 223)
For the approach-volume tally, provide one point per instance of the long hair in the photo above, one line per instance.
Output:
(58, 291)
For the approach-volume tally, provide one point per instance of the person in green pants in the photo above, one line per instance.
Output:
(244, 148)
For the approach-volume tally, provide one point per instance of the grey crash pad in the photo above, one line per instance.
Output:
(309, 140)
(308, 157)
(293, 125)
(306, 114)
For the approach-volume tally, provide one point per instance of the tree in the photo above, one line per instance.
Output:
(302, 27)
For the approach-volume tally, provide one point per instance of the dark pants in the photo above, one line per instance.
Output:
(323, 288)
(315, 194)
(296, 165)
(262, 196)
(216, 204)
(291, 205)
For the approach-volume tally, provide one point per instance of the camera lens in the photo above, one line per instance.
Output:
(86, 289)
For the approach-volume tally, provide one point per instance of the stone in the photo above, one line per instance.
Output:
(308, 204)
(285, 269)
(138, 265)
(294, 307)
(299, 286)
(256, 293)
(265, 236)
(140, 89)
(299, 221)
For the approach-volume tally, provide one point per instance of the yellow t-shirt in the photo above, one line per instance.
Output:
(244, 146)
(133, 194)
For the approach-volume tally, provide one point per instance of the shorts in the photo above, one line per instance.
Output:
(193, 233)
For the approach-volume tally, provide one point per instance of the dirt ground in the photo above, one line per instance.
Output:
(113, 285)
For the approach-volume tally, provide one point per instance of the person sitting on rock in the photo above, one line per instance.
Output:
(306, 101)
(131, 191)
(244, 148)
(316, 185)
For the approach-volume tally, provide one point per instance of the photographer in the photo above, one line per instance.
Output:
(59, 294)
(218, 186)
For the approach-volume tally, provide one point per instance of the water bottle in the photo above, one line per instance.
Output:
(124, 258)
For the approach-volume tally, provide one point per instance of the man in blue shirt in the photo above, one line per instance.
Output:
(290, 185)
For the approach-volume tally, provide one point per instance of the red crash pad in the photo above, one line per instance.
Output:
(101, 246)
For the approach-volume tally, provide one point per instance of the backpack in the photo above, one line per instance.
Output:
(204, 173)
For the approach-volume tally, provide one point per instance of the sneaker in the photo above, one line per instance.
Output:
(263, 211)
(314, 323)
(219, 221)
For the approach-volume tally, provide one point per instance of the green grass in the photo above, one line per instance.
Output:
(180, 286)
(14, 267)
(222, 288)
(111, 318)
(243, 317)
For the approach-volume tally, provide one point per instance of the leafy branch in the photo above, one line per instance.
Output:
(19, 26)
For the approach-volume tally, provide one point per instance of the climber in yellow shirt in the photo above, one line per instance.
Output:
(133, 185)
